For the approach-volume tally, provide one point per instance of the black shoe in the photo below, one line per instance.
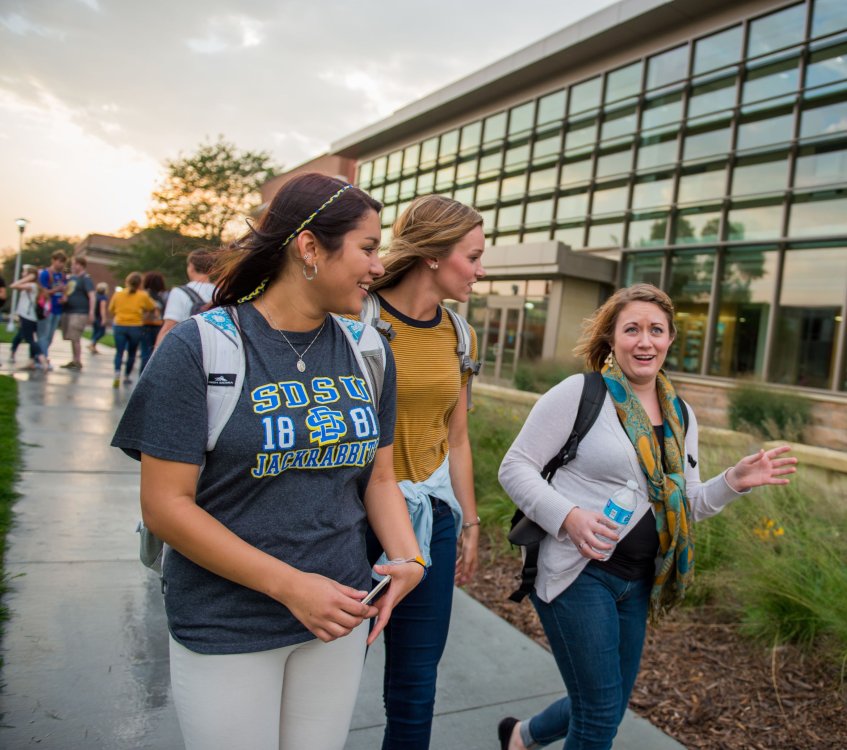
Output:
(504, 731)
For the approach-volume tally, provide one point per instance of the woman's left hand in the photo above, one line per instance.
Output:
(404, 577)
(764, 467)
(468, 558)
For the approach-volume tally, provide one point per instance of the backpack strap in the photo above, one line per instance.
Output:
(368, 349)
(371, 315)
(224, 365)
(195, 298)
(590, 403)
(463, 349)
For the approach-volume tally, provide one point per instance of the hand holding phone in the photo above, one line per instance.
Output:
(375, 591)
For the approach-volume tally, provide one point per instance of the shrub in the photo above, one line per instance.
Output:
(540, 376)
(770, 414)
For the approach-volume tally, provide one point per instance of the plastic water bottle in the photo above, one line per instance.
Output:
(619, 509)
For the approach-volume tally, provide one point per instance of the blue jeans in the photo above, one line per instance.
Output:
(596, 630)
(148, 343)
(98, 331)
(46, 328)
(414, 641)
(27, 332)
(127, 339)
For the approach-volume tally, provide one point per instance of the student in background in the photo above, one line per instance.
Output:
(154, 285)
(101, 315)
(127, 308)
(182, 298)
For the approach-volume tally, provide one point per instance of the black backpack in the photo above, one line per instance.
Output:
(528, 534)
(198, 304)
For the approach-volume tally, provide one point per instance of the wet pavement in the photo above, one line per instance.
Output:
(85, 648)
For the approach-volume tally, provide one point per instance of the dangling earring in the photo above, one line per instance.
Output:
(314, 274)
(610, 358)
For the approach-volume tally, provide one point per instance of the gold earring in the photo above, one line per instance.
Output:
(610, 358)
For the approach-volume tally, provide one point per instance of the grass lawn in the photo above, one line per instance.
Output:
(10, 450)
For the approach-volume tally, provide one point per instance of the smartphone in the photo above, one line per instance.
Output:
(375, 591)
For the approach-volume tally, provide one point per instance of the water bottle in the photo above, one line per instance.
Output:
(619, 509)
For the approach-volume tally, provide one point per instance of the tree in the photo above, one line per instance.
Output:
(159, 249)
(204, 192)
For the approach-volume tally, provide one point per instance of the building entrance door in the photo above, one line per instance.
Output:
(501, 341)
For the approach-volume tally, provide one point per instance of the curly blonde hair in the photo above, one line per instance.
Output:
(598, 331)
(429, 229)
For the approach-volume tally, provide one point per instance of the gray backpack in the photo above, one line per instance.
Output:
(224, 364)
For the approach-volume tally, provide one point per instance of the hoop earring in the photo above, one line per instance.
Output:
(314, 275)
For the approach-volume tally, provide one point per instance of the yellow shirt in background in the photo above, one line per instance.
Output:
(428, 384)
(127, 308)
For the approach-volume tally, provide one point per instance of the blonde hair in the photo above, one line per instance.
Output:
(103, 287)
(429, 228)
(598, 331)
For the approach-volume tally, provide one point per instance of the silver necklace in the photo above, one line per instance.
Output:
(301, 365)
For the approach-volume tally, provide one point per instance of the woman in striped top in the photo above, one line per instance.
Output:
(435, 254)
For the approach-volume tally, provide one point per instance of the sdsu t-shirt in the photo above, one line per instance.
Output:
(287, 473)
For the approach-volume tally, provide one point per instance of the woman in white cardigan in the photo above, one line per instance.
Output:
(594, 605)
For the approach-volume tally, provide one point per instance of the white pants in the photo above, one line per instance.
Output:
(289, 698)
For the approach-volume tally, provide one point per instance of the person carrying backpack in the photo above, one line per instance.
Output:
(594, 611)
(435, 254)
(191, 298)
(265, 566)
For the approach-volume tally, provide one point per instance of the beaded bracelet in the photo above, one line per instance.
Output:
(468, 524)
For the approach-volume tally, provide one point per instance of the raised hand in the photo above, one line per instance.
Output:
(762, 468)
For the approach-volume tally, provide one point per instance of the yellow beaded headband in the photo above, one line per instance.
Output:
(261, 288)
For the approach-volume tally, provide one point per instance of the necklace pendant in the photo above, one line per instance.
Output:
(301, 365)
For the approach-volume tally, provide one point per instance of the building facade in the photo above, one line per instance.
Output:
(700, 145)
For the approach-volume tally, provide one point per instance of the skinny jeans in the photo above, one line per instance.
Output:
(46, 328)
(415, 638)
(127, 339)
(596, 629)
(290, 698)
(27, 333)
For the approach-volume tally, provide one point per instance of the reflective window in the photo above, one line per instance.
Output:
(818, 165)
(609, 199)
(520, 118)
(551, 108)
(545, 149)
(444, 178)
(618, 124)
(507, 239)
(650, 232)
(713, 96)
(464, 195)
(752, 176)
(572, 205)
(770, 81)
(755, 223)
(537, 236)
(494, 128)
(828, 16)
(388, 214)
(717, 50)
(575, 171)
(487, 218)
(489, 164)
(702, 183)
(538, 212)
(449, 145)
(365, 172)
(466, 170)
(426, 183)
(745, 297)
(765, 132)
(706, 143)
(777, 30)
(623, 82)
(509, 217)
(823, 120)
(487, 191)
(819, 214)
(662, 111)
(696, 225)
(573, 236)
(667, 67)
(643, 268)
(585, 96)
(379, 169)
(614, 162)
(656, 151)
(376, 193)
(513, 186)
(407, 188)
(392, 190)
(581, 136)
(655, 190)
(690, 289)
(828, 67)
(605, 235)
(395, 160)
(411, 157)
(429, 151)
(516, 156)
(471, 136)
(543, 179)
(810, 316)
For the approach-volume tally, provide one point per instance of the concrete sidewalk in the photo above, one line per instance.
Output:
(85, 650)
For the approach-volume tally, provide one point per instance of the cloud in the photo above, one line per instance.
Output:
(20, 26)
(230, 32)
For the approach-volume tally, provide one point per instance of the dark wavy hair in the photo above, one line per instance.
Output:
(154, 282)
(259, 255)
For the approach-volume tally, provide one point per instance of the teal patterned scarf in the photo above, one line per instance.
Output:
(665, 483)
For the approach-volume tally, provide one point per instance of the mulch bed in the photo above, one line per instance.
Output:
(700, 681)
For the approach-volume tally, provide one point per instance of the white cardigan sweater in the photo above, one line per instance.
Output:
(604, 462)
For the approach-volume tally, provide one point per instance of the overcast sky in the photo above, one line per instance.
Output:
(95, 94)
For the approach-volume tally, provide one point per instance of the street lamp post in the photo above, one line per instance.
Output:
(21, 223)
